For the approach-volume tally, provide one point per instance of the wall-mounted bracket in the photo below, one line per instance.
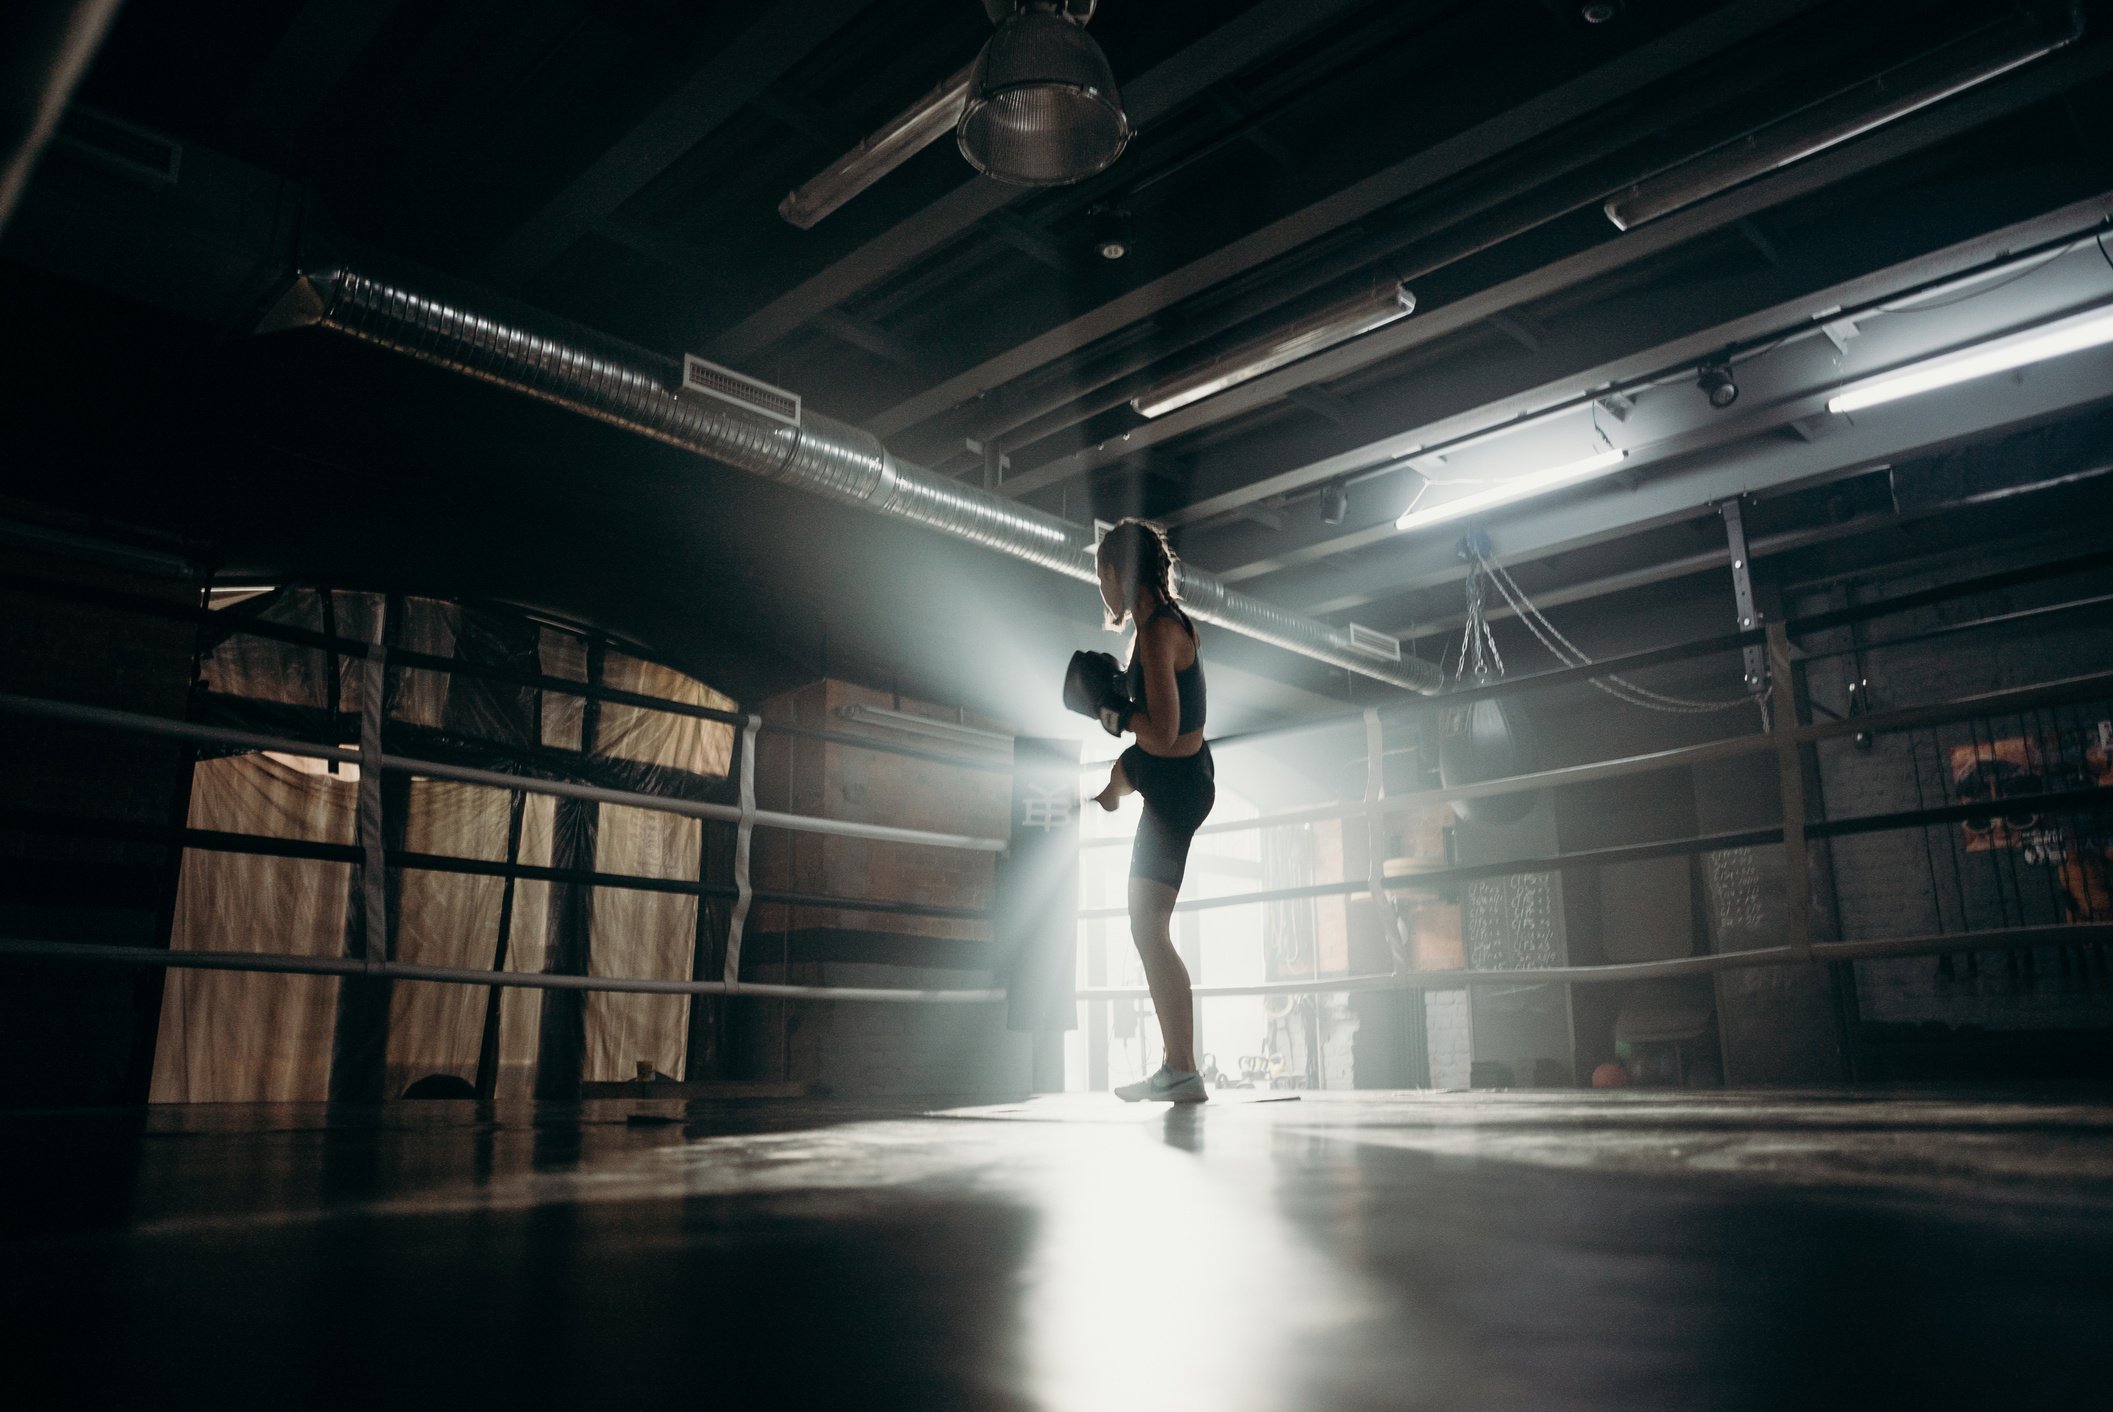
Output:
(1754, 660)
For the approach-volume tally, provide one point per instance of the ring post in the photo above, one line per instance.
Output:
(1790, 776)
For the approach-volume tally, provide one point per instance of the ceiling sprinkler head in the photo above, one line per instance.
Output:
(1110, 227)
(1715, 380)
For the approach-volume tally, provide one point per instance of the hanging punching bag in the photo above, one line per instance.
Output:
(1486, 740)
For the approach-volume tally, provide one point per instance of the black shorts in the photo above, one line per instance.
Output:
(1178, 795)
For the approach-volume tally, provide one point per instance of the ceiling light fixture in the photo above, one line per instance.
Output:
(1337, 323)
(1042, 107)
(1517, 488)
(899, 139)
(2092, 328)
(1965, 63)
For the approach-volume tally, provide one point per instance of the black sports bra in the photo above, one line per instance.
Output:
(1188, 681)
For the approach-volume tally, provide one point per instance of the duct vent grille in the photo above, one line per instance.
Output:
(1374, 643)
(709, 378)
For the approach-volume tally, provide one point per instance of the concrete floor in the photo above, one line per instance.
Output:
(1530, 1250)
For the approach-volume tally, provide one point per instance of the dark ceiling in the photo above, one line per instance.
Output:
(619, 163)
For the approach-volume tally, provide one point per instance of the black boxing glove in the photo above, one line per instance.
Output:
(1093, 684)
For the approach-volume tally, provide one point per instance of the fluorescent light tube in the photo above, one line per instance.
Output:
(1517, 488)
(1966, 63)
(2090, 329)
(901, 138)
(1338, 323)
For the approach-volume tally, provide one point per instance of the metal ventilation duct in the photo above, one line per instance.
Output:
(818, 454)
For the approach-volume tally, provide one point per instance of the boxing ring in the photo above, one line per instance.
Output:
(1790, 746)
(1789, 742)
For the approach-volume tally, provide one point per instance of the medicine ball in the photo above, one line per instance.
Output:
(1486, 740)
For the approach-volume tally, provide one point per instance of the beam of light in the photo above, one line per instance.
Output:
(1517, 488)
(2090, 329)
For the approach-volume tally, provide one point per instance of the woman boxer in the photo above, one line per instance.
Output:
(1170, 767)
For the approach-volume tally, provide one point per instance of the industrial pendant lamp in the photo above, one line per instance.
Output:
(1042, 108)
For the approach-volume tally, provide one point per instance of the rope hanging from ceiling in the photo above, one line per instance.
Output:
(1486, 566)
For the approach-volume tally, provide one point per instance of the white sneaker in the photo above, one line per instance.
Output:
(1166, 1086)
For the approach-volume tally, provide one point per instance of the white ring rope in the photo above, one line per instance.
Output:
(168, 729)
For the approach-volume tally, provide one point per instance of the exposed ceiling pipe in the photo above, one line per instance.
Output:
(805, 449)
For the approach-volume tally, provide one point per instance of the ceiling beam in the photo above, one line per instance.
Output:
(1032, 241)
(1788, 386)
(1521, 328)
(1758, 239)
(777, 38)
(318, 49)
(1645, 336)
(1614, 253)
(1045, 406)
(1563, 522)
(1521, 197)
(861, 333)
(1239, 43)
(1237, 110)
(1648, 63)
(2084, 538)
(1322, 404)
(824, 129)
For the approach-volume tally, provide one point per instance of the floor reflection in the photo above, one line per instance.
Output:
(1359, 1250)
(1160, 1281)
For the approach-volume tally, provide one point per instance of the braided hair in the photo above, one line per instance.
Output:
(1136, 552)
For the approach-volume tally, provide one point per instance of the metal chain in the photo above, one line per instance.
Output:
(1478, 644)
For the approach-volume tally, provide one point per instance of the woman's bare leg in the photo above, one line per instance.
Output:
(1151, 912)
(1118, 786)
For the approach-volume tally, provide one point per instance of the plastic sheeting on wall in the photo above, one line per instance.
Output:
(641, 934)
(236, 1035)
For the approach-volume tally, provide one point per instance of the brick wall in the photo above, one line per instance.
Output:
(848, 1049)
(890, 1050)
(834, 781)
(1451, 1043)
